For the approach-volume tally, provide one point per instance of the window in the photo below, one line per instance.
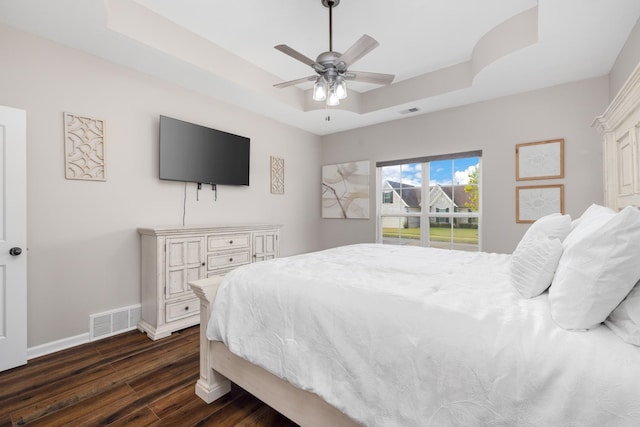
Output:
(387, 197)
(442, 220)
(444, 213)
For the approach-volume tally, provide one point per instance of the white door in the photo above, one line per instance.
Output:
(13, 238)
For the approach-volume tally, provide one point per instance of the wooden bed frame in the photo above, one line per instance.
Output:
(620, 127)
(218, 367)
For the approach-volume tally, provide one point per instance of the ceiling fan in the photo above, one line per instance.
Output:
(332, 67)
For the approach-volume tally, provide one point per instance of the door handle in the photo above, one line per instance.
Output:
(15, 251)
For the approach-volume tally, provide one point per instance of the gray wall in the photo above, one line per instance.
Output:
(82, 240)
(495, 127)
(83, 247)
(628, 59)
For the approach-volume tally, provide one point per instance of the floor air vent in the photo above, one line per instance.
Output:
(113, 322)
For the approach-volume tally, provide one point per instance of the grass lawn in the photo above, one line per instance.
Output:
(436, 234)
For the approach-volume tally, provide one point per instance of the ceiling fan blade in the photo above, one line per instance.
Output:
(300, 57)
(365, 77)
(360, 48)
(295, 82)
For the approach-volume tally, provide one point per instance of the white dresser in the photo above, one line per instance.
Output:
(173, 256)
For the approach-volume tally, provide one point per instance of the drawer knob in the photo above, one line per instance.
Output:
(231, 242)
(230, 259)
(186, 308)
(203, 264)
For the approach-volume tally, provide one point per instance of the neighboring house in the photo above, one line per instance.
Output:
(445, 197)
(399, 199)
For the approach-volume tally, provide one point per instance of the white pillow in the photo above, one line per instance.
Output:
(552, 226)
(533, 263)
(595, 211)
(592, 218)
(625, 319)
(599, 266)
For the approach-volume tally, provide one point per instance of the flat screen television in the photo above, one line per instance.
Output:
(194, 153)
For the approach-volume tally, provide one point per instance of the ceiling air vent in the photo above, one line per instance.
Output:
(410, 110)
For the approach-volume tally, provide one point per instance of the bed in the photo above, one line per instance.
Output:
(418, 336)
(384, 335)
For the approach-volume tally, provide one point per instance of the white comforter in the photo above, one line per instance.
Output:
(406, 336)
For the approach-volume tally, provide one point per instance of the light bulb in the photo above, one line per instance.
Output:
(319, 90)
(341, 88)
(332, 99)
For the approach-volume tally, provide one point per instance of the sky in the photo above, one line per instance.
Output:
(444, 172)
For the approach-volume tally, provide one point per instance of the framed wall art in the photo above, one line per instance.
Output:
(535, 201)
(345, 190)
(540, 160)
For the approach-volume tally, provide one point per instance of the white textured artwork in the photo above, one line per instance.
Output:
(540, 160)
(345, 190)
(534, 202)
(277, 175)
(84, 148)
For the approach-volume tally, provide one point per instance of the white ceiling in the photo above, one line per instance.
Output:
(443, 53)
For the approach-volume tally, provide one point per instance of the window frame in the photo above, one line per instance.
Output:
(425, 216)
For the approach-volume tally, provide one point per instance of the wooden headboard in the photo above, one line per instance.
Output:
(619, 126)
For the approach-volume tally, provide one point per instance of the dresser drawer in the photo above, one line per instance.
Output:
(180, 309)
(228, 241)
(227, 259)
(219, 272)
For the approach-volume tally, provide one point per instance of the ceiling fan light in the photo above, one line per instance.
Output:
(332, 99)
(319, 90)
(341, 88)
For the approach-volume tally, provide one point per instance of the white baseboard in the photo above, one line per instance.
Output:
(53, 346)
(109, 323)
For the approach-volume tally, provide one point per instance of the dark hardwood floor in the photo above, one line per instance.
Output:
(126, 380)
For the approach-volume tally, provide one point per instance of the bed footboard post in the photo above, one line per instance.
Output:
(211, 384)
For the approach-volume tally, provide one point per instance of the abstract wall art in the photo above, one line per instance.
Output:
(84, 148)
(345, 190)
(277, 175)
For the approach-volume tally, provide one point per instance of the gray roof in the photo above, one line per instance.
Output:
(456, 193)
(412, 195)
